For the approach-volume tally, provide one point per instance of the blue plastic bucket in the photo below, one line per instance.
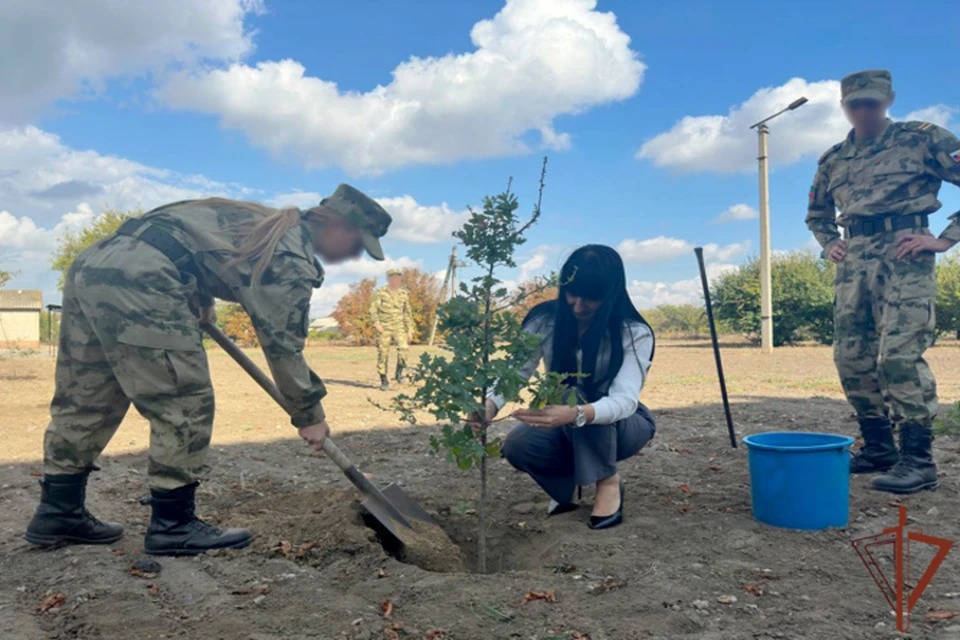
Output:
(800, 480)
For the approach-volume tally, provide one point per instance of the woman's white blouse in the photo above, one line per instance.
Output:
(623, 394)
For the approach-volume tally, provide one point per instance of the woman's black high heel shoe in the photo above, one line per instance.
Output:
(606, 522)
(557, 508)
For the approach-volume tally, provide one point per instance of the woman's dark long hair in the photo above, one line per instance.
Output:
(594, 272)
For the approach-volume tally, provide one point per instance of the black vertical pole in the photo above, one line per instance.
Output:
(716, 346)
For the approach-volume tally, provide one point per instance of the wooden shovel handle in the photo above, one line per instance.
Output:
(329, 448)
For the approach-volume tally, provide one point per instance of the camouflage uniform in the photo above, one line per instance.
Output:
(884, 312)
(391, 310)
(130, 333)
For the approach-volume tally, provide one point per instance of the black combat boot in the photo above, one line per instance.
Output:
(175, 529)
(62, 516)
(879, 452)
(400, 374)
(384, 383)
(916, 470)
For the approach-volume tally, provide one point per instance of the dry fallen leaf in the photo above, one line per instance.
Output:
(686, 508)
(36, 474)
(118, 553)
(137, 573)
(435, 633)
(686, 488)
(714, 467)
(941, 615)
(52, 602)
(387, 609)
(285, 547)
(727, 599)
(391, 630)
(606, 585)
(258, 589)
(546, 596)
(154, 589)
(381, 573)
(302, 550)
(754, 589)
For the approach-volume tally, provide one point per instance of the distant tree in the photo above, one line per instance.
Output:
(6, 276)
(353, 313)
(236, 324)
(70, 244)
(424, 291)
(531, 293)
(948, 294)
(679, 320)
(802, 298)
(353, 310)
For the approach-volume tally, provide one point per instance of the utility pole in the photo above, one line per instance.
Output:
(766, 293)
(449, 289)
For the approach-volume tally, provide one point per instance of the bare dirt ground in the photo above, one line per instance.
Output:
(315, 571)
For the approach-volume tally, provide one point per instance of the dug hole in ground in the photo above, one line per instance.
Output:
(689, 562)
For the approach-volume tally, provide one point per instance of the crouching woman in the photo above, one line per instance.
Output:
(592, 328)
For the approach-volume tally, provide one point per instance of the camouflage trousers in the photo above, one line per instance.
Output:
(385, 338)
(129, 335)
(884, 320)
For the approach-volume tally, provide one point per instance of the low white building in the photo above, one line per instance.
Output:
(20, 319)
(325, 324)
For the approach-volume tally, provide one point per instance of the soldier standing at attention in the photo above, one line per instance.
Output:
(884, 178)
(393, 321)
(133, 305)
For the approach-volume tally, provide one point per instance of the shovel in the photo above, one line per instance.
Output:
(391, 508)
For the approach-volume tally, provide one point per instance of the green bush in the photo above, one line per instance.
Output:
(948, 294)
(802, 299)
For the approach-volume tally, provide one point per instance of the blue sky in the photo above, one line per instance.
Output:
(642, 107)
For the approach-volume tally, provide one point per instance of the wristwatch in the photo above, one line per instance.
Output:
(581, 417)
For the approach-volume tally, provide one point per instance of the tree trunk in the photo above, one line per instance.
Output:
(482, 534)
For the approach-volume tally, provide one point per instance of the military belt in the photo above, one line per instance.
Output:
(864, 226)
(163, 242)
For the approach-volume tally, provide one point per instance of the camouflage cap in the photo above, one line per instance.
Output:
(876, 84)
(394, 272)
(363, 211)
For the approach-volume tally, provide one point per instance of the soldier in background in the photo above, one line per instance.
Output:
(885, 178)
(133, 305)
(393, 321)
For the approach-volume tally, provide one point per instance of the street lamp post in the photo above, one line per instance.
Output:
(766, 295)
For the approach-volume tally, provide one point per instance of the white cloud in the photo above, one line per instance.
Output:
(419, 223)
(537, 265)
(325, 299)
(299, 199)
(40, 177)
(735, 213)
(24, 234)
(533, 61)
(61, 49)
(412, 221)
(663, 248)
(367, 268)
(726, 144)
(649, 294)
(939, 114)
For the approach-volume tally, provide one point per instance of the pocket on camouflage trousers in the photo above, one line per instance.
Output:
(156, 363)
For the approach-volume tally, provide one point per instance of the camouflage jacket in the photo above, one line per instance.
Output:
(899, 172)
(392, 309)
(279, 306)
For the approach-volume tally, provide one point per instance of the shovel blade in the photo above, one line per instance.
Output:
(385, 512)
